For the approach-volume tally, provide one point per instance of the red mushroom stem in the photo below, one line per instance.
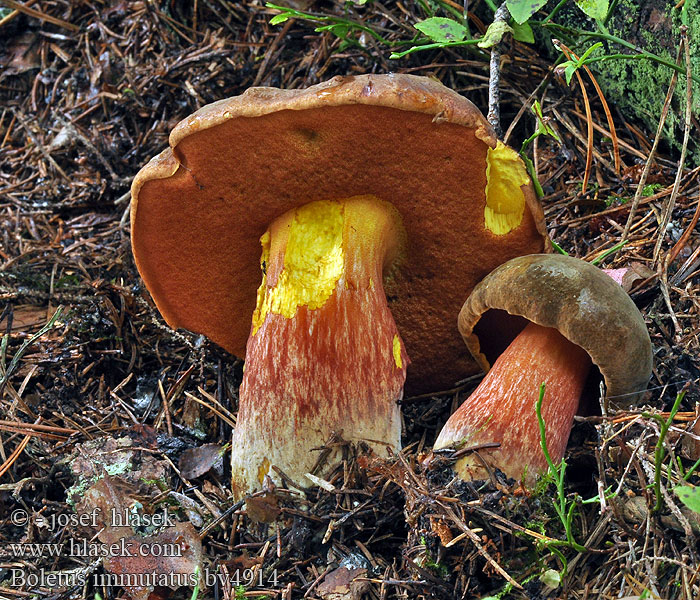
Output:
(324, 355)
(502, 408)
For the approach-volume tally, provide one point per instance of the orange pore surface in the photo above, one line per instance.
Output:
(502, 408)
(196, 232)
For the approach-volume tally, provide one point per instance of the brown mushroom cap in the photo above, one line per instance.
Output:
(200, 207)
(579, 300)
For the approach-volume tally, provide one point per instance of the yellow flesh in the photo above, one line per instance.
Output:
(322, 245)
(397, 352)
(505, 201)
(263, 470)
(313, 262)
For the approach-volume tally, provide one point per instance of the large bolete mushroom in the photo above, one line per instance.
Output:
(379, 201)
(542, 319)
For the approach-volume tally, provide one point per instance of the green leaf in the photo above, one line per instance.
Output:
(522, 10)
(440, 29)
(595, 9)
(558, 248)
(338, 29)
(569, 71)
(589, 51)
(551, 579)
(570, 66)
(494, 34)
(542, 127)
(537, 109)
(689, 495)
(277, 19)
(523, 32)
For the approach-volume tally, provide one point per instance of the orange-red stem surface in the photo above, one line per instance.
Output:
(324, 356)
(502, 408)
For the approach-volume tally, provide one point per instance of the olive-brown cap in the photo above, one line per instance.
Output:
(200, 207)
(579, 300)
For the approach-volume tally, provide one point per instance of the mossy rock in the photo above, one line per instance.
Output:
(638, 87)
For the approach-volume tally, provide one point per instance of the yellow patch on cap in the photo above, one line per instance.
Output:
(397, 352)
(505, 201)
(313, 262)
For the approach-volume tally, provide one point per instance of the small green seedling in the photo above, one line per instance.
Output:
(569, 67)
(562, 505)
(660, 451)
(543, 128)
(195, 589)
(338, 26)
(5, 373)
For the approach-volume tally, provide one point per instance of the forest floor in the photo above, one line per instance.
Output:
(89, 92)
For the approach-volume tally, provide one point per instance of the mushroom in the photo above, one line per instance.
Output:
(542, 319)
(360, 190)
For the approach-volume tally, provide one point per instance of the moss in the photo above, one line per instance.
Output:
(638, 87)
(26, 278)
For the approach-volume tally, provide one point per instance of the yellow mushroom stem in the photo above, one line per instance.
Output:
(324, 356)
(502, 408)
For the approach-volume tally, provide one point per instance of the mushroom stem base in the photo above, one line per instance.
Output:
(502, 408)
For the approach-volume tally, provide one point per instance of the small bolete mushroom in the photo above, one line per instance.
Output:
(379, 201)
(542, 319)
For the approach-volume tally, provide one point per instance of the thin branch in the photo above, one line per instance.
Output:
(668, 209)
(652, 152)
(37, 14)
(494, 114)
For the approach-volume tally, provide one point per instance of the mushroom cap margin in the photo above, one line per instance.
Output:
(579, 300)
